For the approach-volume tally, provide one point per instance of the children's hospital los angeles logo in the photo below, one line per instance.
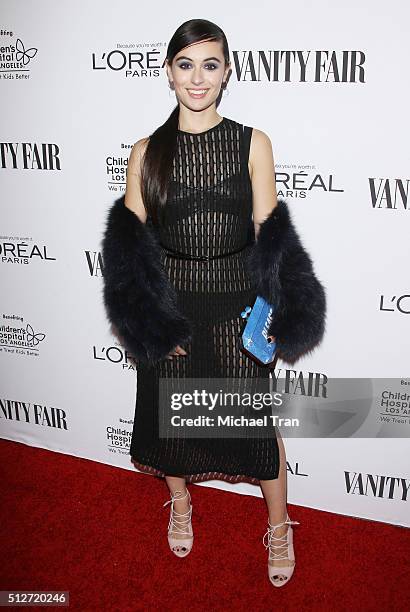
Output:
(16, 56)
(19, 336)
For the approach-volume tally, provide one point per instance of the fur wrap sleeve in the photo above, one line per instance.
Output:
(142, 305)
(139, 299)
(283, 274)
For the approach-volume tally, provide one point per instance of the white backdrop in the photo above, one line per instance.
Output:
(335, 105)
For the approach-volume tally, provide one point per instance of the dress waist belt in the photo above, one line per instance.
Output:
(179, 255)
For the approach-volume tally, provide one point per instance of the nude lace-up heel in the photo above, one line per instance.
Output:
(180, 523)
(280, 548)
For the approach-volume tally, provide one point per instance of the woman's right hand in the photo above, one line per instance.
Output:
(178, 350)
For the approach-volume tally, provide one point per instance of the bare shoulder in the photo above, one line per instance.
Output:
(136, 155)
(262, 173)
(133, 194)
(260, 150)
(260, 137)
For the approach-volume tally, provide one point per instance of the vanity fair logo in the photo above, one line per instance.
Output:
(94, 263)
(298, 180)
(21, 339)
(30, 156)
(303, 66)
(15, 56)
(22, 250)
(296, 383)
(35, 414)
(371, 485)
(388, 193)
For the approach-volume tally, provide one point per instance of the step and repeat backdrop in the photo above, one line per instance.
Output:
(80, 82)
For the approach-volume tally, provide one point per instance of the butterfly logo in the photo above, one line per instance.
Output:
(32, 337)
(22, 54)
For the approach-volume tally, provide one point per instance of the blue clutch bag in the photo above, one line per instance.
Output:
(255, 334)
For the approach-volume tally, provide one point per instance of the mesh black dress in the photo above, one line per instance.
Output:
(208, 215)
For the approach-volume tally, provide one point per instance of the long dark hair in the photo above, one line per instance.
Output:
(158, 158)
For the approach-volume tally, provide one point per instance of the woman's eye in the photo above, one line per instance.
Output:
(212, 66)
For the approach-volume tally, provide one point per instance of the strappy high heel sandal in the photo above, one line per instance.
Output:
(280, 548)
(180, 523)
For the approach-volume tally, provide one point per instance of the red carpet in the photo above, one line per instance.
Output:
(99, 532)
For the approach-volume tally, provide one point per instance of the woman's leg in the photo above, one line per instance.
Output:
(176, 483)
(275, 494)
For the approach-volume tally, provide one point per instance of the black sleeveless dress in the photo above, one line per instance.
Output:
(208, 214)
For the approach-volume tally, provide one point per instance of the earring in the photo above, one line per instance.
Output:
(170, 90)
(226, 90)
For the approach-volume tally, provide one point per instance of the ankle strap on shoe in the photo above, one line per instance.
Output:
(286, 522)
(175, 497)
(179, 522)
(278, 546)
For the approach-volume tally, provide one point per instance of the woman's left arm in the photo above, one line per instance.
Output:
(280, 267)
(262, 173)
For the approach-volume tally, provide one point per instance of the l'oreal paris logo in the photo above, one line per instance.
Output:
(395, 303)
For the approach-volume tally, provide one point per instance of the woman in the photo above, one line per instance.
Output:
(197, 237)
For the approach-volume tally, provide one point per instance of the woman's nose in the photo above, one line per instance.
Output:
(197, 77)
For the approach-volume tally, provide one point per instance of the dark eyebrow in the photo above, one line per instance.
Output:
(205, 60)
